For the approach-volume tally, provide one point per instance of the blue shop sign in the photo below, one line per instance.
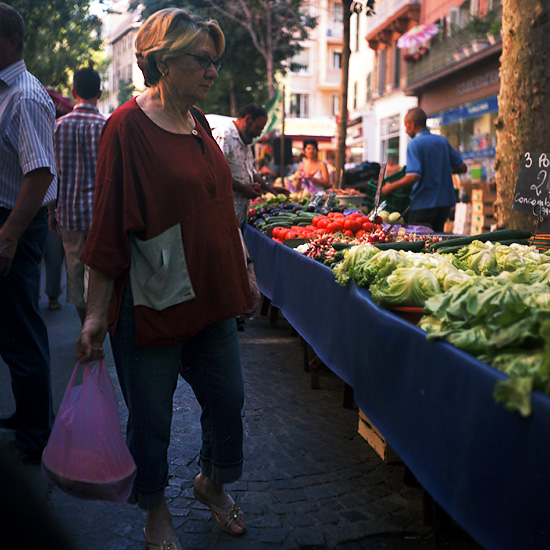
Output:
(464, 112)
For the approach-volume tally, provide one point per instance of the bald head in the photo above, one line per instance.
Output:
(415, 120)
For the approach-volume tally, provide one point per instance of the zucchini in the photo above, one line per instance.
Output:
(415, 246)
(341, 246)
(494, 236)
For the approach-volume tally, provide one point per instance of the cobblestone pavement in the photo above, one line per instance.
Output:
(310, 480)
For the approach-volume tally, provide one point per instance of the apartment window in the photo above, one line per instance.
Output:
(381, 72)
(300, 62)
(396, 67)
(338, 13)
(336, 60)
(299, 105)
(369, 87)
(335, 104)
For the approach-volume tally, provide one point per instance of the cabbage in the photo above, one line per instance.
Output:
(343, 270)
(479, 257)
(406, 286)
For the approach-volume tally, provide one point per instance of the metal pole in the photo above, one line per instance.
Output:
(283, 135)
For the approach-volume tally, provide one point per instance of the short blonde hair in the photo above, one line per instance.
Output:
(167, 34)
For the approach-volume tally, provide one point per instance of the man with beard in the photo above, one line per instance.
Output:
(235, 141)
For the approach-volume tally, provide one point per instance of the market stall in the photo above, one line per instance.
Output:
(487, 467)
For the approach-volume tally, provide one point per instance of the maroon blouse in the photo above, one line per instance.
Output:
(148, 180)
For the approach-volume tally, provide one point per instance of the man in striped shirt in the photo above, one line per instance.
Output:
(27, 185)
(76, 145)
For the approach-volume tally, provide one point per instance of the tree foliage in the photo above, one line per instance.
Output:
(251, 59)
(60, 37)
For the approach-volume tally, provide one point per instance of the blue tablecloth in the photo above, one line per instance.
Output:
(488, 468)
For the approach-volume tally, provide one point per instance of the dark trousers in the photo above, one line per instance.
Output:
(430, 217)
(24, 338)
(210, 363)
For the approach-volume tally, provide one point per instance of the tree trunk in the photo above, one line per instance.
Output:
(343, 114)
(524, 101)
(233, 109)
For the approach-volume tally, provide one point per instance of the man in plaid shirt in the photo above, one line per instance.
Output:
(76, 145)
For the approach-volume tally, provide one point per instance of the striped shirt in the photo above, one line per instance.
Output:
(27, 118)
(76, 146)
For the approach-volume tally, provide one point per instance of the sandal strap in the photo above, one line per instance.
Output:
(232, 515)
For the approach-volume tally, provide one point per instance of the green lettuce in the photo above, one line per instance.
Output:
(405, 286)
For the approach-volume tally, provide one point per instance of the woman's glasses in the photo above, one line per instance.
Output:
(205, 61)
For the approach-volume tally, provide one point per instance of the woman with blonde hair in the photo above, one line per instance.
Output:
(168, 274)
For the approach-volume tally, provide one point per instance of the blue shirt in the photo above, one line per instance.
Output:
(27, 118)
(431, 157)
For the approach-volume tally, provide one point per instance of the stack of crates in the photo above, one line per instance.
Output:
(397, 201)
(483, 217)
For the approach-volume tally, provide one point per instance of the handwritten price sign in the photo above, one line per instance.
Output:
(533, 185)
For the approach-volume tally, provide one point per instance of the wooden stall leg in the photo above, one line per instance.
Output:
(349, 401)
(265, 306)
(314, 365)
(274, 315)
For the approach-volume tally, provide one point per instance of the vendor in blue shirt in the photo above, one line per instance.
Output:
(431, 161)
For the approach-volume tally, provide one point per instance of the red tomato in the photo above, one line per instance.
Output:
(368, 225)
(275, 232)
(282, 232)
(322, 224)
(360, 233)
(362, 219)
(352, 225)
(349, 233)
(334, 227)
(316, 219)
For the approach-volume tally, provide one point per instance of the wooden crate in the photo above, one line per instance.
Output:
(483, 208)
(483, 195)
(376, 440)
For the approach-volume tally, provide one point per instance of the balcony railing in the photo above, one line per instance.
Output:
(384, 9)
(444, 54)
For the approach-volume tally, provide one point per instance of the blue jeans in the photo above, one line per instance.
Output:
(24, 338)
(210, 363)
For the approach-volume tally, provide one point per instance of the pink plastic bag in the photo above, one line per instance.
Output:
(86, 455)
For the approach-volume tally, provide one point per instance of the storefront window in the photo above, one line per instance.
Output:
(470, 130)
(389, 132)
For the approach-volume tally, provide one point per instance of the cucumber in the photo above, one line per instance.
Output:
(493, 236)
(415, 246)
(341, 246)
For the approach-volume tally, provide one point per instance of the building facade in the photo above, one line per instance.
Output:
(454, 78)
(312, 91)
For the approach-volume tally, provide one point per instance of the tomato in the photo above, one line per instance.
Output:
(349, 233)
(360, 233)
(352, 225)
(282, 232)
(368, 225)
(322, 224)
(316, 220)
(362, 219)
(334, 227)
(275, 232)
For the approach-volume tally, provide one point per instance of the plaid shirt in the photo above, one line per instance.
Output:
(76, 145)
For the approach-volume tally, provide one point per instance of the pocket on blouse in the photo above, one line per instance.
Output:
(158, 271)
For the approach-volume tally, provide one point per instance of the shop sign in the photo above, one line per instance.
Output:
(532, 192)
(478, 83)
(489, 152)
(464, 112)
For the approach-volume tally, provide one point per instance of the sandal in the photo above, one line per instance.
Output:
(164, 545)
(231, 513)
